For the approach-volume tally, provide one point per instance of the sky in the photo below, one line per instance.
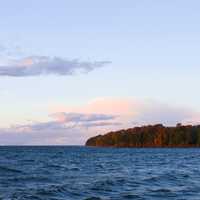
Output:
(70, 70)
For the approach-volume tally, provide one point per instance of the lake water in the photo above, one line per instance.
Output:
(80, 173)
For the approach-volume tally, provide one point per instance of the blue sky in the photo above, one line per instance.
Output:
(146, 51)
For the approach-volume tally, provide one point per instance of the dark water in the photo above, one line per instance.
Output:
(62, 173)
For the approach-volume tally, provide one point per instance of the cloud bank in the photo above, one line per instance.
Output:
(137, 111)
(65, 121)
(43, 65)
(64, 128)
(73, 125)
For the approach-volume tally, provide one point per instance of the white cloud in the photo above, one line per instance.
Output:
(43, 65)
(80, 117)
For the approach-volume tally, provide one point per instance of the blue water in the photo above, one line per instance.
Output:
(80, 173)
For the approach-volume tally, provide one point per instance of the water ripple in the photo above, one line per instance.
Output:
(83, 173)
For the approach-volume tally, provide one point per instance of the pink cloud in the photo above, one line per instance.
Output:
(134, 111)
(101, 105)
(74, 125)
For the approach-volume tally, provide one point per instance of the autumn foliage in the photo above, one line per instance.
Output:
(150, 136)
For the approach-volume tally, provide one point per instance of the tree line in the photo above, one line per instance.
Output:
(150, 136)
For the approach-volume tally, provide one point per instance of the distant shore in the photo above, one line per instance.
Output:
(180, 136)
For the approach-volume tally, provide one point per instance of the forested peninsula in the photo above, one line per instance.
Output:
(150, 136)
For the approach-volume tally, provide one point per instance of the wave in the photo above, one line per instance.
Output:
(5, 169)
